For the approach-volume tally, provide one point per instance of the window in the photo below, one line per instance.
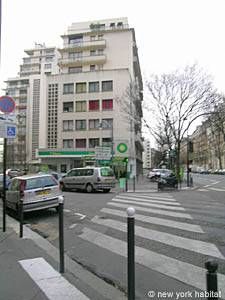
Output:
(93, 87)
(93, 143)
(112, 25)
(100, 36)
(76, 39)
(75, 55)
(92, 52)
(93, 37)
(92, 67)
(94, 124)
(68, 143)
(67, 106)
(81, 87)
(107, 142)
(93, 105)
(63, 168)
(75, 69)
(100, 51)
(107, 123)
(48, 66)
(107, 104)
(80, 124)
(49, 58)
(68, 88)
(80, 106)
(68, 125)
(80, 143)
(107, 86)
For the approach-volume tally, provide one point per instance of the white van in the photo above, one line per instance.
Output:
(89, 179)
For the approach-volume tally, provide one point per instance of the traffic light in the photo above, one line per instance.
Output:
(125, 160)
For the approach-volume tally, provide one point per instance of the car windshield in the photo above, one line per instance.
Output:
(40, 182)
(107, 172)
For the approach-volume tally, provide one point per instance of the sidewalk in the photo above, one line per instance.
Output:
(29, 270)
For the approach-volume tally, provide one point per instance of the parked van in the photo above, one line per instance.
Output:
(89, 179)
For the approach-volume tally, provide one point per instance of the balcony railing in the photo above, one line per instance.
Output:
(83, 60)
(85, 45)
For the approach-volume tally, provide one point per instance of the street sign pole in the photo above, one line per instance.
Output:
(7, 106)
(4, 185)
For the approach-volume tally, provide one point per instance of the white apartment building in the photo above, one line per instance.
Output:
(27, 90)
(91, 97)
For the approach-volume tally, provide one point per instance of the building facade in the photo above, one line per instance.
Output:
(84, 95)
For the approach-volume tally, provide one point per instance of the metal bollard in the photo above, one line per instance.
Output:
(134, 184)
(21, 217)
(211, 279)
(126, 185)
(130, 253)
(61, 235)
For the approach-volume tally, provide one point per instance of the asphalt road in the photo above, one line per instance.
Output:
(176, 233)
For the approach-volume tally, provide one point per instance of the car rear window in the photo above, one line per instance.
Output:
(106, 172)
(40, 182)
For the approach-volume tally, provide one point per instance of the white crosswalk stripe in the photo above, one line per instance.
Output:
(189, 237)
(174, 268)
(144, 199)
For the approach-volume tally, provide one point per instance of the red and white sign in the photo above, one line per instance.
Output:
(7, 104)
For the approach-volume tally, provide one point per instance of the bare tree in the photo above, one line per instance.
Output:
(178, 99)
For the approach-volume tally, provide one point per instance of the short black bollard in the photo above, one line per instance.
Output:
(130, 253)
(21, 217)
(134, 184)
(126, 185)
(61, 235)
(211, 279)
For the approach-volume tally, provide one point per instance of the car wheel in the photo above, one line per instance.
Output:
(89, 188)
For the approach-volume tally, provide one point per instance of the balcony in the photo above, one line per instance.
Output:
(87, 45)
(29, 72)
(83, 60)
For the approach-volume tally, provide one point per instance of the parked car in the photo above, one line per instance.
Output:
(14, 172)
(168, 182)
(155, 174)
(89, 179)
(1, 183)
(39, 191)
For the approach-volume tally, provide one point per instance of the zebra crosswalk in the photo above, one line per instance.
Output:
(169, 240)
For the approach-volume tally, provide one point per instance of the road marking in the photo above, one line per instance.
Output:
(54, 285)
(158, 221)
(217, 189)
(72, 226)
(153, 210)
(211, 184)
(148, 204)
(169, 198)
(163, 237)
(147, 200)
(168, 266)
(80, 215)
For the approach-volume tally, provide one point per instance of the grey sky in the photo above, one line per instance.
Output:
(170, 33)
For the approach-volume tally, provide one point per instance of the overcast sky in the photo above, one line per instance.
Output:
(169, 33)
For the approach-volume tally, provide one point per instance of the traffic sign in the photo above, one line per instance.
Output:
(7, 131)
(103, 153)
(11, 131)
(7, 104)
(8, 118)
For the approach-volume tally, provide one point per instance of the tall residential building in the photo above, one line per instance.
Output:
(27, 90)
(92, 98)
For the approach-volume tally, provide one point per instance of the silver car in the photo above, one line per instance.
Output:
(89, 179)
(35, 191)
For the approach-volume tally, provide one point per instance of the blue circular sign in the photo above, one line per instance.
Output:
(7, 104)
